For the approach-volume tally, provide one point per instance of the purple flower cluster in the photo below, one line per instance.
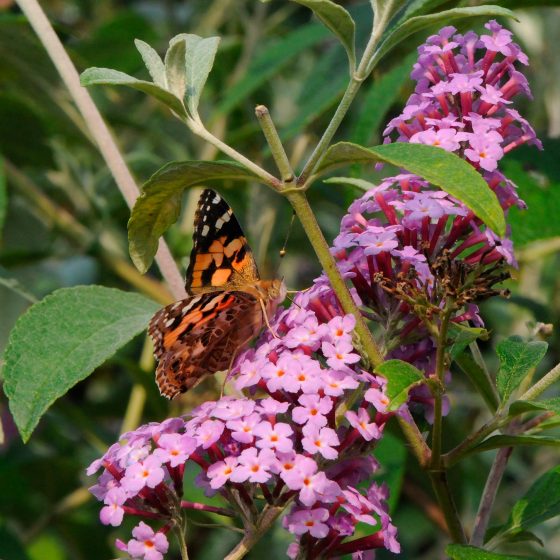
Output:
(462, 101)
(410, 249)
(294, 444)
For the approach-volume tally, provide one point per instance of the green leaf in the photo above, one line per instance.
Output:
(106, 76)
(523, 536)
(159, 205)
(153, 62)
(496, 442)
(481, 382)
(378, 100)
(401, 378)
(520, 407)
(540, 503)
(443, 169)
(338, 20)
(360, 183)
(462, 336)
(418, 8)
(517, 359)
(175, 75)
(61, 340)
(3, 197)
(271, 60)
(417, 23)
(199, 59)
(467, 552)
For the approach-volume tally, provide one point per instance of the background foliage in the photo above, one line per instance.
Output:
(62, 224)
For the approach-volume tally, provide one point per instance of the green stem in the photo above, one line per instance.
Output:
(438, 393)
(269, 515)
(453, 456)
(542, 385)
(199, 129)
(179, 531)
(276, 148)
(489, 495)
(362, 72)
(299, 202)
(447, 504)
(417, 444)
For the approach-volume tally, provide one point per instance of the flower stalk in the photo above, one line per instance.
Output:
(305, 214)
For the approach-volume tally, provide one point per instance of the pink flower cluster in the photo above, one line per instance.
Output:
(296, 443)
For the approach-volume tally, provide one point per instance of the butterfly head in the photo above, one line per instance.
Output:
(272, 291)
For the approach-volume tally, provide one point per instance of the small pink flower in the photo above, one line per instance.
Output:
(147, 544)
(280, 375)
(249, 373)
(253, 466)
(274, 437)
(320, 441)
(361, 421)
(175, 449)
(485, 150)
(340, 328)
(340, 355)
(219, 473)
(310, 521)
(209, 433)
(112, 513)
(378, 399)
(242, 430)
(146, 473)
(313, 410)
(336, 382)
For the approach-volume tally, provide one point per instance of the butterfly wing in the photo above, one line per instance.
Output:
(200, 335)
(220, 257)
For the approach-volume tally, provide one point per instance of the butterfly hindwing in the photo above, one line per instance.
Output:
(200, 335)
(220, 257)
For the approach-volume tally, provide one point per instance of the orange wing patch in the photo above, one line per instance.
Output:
(220, 258)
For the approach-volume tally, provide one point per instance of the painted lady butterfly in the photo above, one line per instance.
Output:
(201, 335)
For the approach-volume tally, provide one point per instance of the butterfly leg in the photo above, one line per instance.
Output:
(232, 361)
(265, 316)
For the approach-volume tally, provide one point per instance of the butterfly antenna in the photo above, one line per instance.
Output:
(292, 300)
(283, 250)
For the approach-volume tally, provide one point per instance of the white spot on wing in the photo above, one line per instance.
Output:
(216, 199)
(205, 230)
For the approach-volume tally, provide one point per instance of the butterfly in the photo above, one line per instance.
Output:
(227, 307)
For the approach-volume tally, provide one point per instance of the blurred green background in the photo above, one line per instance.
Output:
(63, 223)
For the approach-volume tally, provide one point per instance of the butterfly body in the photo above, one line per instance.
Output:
(201, 334)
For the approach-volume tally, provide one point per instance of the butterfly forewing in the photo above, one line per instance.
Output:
(220, 256)
(200, 335)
